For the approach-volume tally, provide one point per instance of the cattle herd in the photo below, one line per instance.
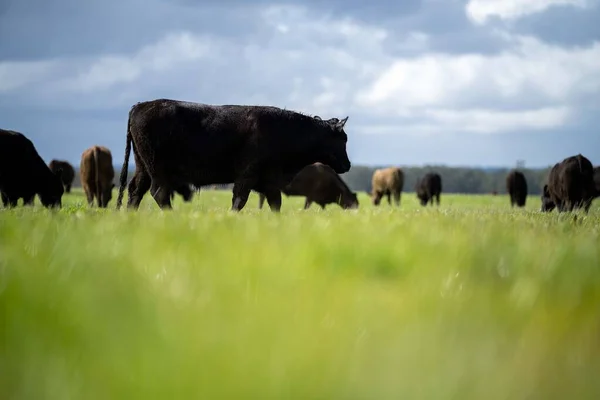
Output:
(178, 146)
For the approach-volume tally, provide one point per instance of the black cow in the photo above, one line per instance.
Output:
(428, 188)
(67, 172)
(570, 185)
(23, 173)
(516, 186)
(257, 148)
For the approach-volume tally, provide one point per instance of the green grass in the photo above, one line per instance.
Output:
(473, 300)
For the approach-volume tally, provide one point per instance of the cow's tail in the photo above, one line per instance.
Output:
(123, 177)
(97, 177)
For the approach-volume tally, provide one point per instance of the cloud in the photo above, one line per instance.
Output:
(172, 50)
(480, 11)
(530, 75)
(331, 65)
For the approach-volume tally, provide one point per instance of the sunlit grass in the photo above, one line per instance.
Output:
(473, 300)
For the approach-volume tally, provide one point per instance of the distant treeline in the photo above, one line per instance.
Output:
(454, 179)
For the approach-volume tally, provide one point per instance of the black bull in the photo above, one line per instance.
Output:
(259, 148)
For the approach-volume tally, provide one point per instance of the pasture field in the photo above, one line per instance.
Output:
(473, 300)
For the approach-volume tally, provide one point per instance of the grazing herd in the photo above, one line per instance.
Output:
(178, 146)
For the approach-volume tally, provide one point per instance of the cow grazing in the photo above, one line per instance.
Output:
(23, 173)
(570, 185)
(67, 172)
(428, 188)
(97, 174)
(257, 148)
(320, 184)
(387, 182)
(516, 186)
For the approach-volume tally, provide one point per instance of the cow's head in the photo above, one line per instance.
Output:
(107, 195)
(53, 189)
(350, 201)
(547, 203)
(332, 145)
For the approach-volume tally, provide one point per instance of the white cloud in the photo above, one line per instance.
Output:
(171, 51)
(530, 73)
(493, 121)
(480, 11)
(332, 67)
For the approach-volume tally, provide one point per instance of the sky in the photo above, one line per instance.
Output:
(459, 83)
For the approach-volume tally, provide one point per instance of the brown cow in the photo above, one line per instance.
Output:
(320, 184)
(570, 185)
(67, 173)
(388, 182)
(97, 174)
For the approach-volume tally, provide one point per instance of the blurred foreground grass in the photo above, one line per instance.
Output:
(469, 301)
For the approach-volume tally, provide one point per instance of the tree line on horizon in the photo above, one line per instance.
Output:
(466, 180)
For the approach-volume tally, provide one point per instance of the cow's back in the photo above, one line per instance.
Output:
(391, 178)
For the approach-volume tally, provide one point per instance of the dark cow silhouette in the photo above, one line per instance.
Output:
(97, 174)
(387, 182)
(23, 173)
(428, 188)
(67, 172)
(570, 185)
(516, 186)
(257, 148)
(320, 184)
(597, 180)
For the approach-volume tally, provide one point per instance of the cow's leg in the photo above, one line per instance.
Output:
(28, 201)
(4, 199)
(274, 199)
(307, 203)
(68, 188)
(437, 198)
(377, 198)
(588, 204)
(139, 185)
(162, 194)
(397, 198)
(242, 187)
(89, 194)
(261, 200)
(388, 194)
(9, 202)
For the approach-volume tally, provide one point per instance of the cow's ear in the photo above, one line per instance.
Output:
(340, 124)
(317, 118)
